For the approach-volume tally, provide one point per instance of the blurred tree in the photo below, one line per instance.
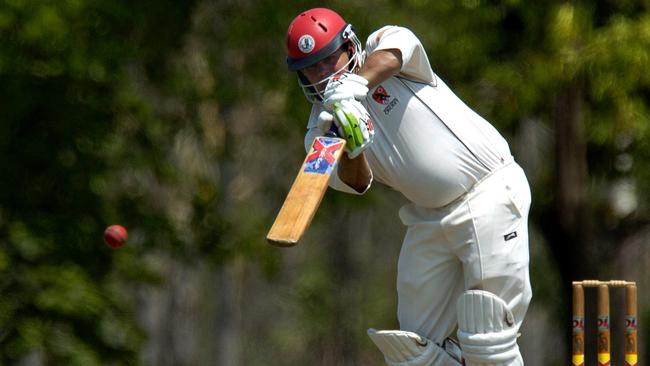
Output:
(63, 76)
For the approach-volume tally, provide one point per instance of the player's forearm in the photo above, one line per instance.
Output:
(380, 65)
(355, 172)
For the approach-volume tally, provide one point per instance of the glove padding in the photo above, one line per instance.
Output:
(348, 86)
(354, 125)
(326, 123)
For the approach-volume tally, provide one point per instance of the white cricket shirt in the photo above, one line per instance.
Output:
(428, 144)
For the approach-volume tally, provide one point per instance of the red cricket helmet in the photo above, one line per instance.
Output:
(312, 36)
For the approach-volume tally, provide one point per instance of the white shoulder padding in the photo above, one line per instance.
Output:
(487, 331)
(403, 348)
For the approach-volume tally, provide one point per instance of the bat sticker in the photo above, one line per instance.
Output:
(321, 158)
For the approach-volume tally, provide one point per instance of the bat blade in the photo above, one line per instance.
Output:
(307, 191)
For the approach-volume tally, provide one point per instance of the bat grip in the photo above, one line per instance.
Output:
(333, 131)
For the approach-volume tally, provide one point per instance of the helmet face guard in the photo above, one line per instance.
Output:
(314, 35)
(314, 91)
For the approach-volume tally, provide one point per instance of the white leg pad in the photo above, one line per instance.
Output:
(486, 330)
(403, 348)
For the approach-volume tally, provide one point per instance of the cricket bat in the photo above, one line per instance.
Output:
(307, 191)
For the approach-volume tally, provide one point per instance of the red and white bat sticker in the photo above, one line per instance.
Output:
(322, 157)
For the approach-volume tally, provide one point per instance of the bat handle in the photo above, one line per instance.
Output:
(333, 131)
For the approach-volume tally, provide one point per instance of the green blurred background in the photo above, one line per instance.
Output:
(179, 120)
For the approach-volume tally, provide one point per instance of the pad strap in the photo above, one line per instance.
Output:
(486, 330)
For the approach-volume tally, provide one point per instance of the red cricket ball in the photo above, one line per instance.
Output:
(115, 236)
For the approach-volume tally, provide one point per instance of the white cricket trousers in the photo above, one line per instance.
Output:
(479, 241)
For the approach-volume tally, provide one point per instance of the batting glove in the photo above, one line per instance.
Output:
(345, 87)
(326, 123)
(354, 125)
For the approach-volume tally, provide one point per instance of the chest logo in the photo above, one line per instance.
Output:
(380, 95)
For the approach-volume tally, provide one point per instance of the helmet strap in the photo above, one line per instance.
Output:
(351, 53)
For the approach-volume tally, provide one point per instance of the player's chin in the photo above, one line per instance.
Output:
(320, 87)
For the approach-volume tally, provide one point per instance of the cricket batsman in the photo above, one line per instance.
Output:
(462, 276)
